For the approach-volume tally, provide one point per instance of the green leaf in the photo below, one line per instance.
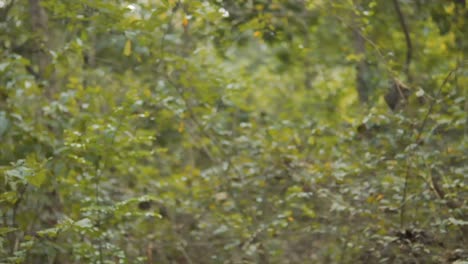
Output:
(84, 223)
(5, 230)
(49, 232)
(457, 222)
(128, 48)
(420, 93)
(38, 178)
(19, 172)
(4, 123)
(9, 197)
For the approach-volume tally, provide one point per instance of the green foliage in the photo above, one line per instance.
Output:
(233, 132)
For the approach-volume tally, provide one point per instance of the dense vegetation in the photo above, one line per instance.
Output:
(240, 131)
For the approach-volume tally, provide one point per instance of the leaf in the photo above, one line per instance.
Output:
(5, 230)
(457, 222)
(221, 196)
(3, 66)
(420, 93)
(354, 57)
(20, 172)
(220, 230)
(128, 48)
(38, 178)
(9, 197)
(181, 127)
(49, 232)
(84, 223)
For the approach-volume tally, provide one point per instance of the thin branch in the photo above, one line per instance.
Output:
(409, 46)
(431, 106)
(185, 254)
(13, 217)
(417, 140)
(374, 45)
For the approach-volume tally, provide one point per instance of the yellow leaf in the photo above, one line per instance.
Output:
(261, 183)
(128, 48)
(449, 9)
(147, 92)
(181, 127)
(221, 196)
(443, 47)
(275, 6)
(379, 197)
(257, 34)
(185, 22)
(354, 57)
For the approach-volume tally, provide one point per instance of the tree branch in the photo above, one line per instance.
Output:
(409, 46)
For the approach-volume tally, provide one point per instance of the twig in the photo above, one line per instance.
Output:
(431, 106)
